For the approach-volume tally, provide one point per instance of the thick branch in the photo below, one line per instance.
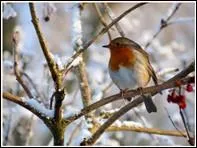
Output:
(56, 75)
(131, 93)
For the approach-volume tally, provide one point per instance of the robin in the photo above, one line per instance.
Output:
(130, 68)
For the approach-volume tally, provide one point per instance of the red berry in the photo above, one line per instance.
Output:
(189, 88)
(180, 98)
(182, 104)
(169, 98)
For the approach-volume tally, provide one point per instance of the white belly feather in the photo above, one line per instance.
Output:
(126, 78)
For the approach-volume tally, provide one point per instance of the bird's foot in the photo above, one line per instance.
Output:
(140, 89)
(122, 93)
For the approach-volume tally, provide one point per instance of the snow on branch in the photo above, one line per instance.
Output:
(40, 108)
(32, 105)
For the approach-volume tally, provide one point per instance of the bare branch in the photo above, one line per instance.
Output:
(56, 74)
(153, 90)
(138, 101)
(102, 20)
(33, 85)
(180, 20)
(50, 61)
(77, 45)
(16, 40)
(173, 122)
(147, 130)
(8, 96)
(131, 93)
(164, 22)
(190, 139)
(104, 30)
(112, 17)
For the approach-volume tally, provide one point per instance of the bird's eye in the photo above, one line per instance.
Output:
(117, 44)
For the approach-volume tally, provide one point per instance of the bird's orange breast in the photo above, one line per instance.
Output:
(121, 57)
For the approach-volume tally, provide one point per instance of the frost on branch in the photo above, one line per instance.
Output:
(40, 108)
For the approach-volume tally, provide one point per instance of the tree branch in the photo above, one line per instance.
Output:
(56, 74)
(81, 69)
(50, 61)
(139, 100)
(16, 40)
(147, 130)
(132, 93)
(164, 22)
(112, 17)
(102, 20)
(104, 30)
(8, 96)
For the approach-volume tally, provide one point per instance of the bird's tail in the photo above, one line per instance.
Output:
(150, 106)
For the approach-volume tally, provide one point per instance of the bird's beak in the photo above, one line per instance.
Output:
(106, 46)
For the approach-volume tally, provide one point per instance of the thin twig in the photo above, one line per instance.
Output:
(104, 30)
(147, 130)
(33, 85)
(51, 101)
(112, 17)
(15, 39)
(173, 122)
(180, 20)
(164, 22)
(102, 20)
(190, 139)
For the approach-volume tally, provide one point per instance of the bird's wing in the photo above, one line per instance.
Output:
(149, 67)
(152, 73)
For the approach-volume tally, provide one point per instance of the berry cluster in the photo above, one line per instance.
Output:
(178, 98)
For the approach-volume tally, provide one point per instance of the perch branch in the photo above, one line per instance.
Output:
(153, 89)
(139, 100)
